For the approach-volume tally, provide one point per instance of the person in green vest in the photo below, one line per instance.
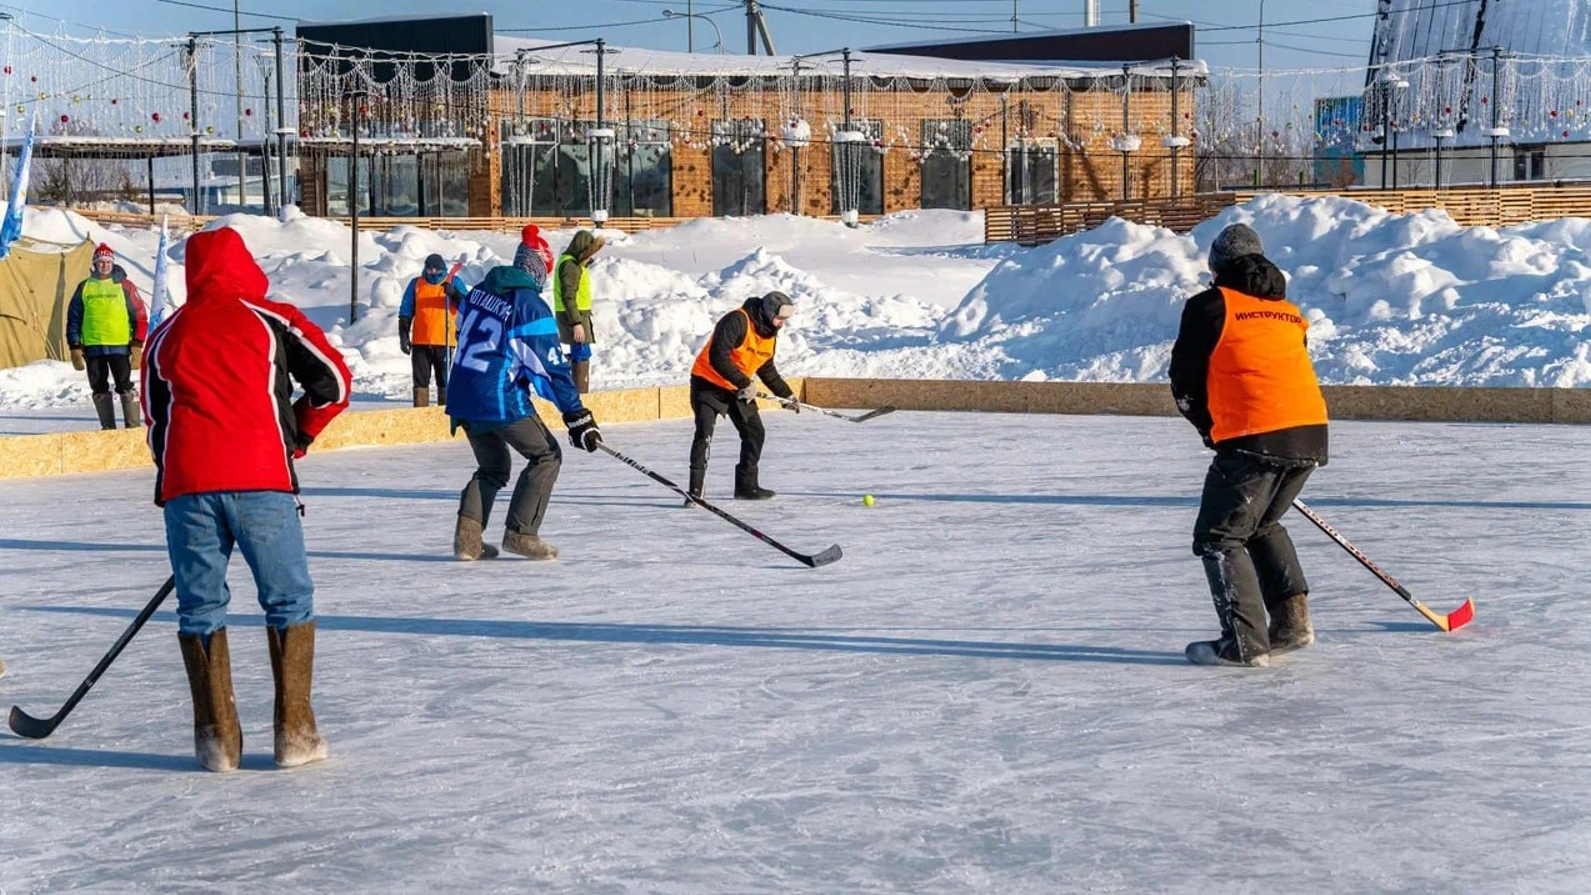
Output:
(571, 304)
(105, 328)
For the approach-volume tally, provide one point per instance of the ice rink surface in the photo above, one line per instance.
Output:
(987, 694)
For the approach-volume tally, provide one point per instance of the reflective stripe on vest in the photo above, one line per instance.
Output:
(105, 320)
(748, 357)
(1261, 379)
(431, 315)
(582, 296)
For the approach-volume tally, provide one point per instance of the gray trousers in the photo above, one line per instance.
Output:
(1248, 556)
(526, 508)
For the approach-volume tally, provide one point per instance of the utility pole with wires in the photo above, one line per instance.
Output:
(237, 65)
(756, 25)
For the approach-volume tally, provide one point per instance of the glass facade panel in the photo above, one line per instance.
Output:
(739, 167)
(947, 165)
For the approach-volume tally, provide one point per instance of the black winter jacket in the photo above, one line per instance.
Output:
(727, 336)
(1203, 317)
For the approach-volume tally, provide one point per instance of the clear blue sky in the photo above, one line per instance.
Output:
(1226, 35)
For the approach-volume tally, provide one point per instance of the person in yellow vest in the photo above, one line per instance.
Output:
(425, 327)
(1241, 374)
(571, 304)
(105, 329)
(741, 346)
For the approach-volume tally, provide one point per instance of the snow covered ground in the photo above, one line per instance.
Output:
(1393, 299)
(987, 694)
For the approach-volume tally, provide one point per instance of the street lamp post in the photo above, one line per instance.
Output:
(718, 37)
(1259, 169)
(356, 99)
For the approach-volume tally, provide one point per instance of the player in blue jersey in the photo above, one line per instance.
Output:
(508, 348)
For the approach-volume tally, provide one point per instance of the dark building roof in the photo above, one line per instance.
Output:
(1124, 43)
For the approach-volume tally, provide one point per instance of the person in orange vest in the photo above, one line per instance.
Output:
(425, 327)
(1241, 374)
(741, 346)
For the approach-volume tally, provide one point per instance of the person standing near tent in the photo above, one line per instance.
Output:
(105, 329)
(571, 300)
(508, 348)
(425, 327)
(224, 431)
(1241, 374)
(741, 346)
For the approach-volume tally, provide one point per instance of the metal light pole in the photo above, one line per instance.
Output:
(1259, 169)
(357, 98)
(718, 37)
(237, 65)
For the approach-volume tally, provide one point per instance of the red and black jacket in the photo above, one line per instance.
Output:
(218, 378)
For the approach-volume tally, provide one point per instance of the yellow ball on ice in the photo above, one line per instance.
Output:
(867, 500)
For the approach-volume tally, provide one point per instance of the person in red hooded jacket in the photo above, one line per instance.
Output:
(218, 376)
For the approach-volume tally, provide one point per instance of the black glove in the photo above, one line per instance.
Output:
(747, 393)
(1208, 441)
(583, 431)
(403, 334)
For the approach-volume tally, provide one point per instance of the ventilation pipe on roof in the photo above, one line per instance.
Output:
(1090, 13)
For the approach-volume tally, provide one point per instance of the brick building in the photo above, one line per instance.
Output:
(533, 128)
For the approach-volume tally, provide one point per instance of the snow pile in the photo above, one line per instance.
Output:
(1393, 299)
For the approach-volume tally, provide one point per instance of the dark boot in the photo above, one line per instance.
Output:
(132, 415)
(441, 396)
(581, 370)
(293, 666)
(1290, 625)
(467, 543)
(1235, 591)
(698, 482)
(105, 406)
(217, 738)
(746, 487)
(422, 397)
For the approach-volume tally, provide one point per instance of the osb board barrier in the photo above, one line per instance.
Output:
(62, 453)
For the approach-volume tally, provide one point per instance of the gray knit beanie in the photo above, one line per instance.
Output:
(530, 261)
(1233, 243)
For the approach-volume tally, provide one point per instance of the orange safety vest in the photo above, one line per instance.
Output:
(1261, 379)
(748, 357)
(431, 317)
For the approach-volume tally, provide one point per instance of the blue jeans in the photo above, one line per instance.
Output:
(200, 532)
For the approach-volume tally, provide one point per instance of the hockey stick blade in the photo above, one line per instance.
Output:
(1454, 620)
(860, 418)
(830, 555)
(25, 725)
(872, 414)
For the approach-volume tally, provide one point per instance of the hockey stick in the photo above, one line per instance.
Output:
(791, 402)
(25, 725)
(812, 560)
(1458, 618)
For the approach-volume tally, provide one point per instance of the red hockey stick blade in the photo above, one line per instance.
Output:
(1461, 616)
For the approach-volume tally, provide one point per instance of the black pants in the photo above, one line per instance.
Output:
(530, 438)
(708, 402)
(1248, 556)
(101, 369)
(425, 358)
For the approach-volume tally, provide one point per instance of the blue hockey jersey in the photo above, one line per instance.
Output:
(508, 347)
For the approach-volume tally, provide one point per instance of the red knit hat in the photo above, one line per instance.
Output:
(103, 251)
(530, 235)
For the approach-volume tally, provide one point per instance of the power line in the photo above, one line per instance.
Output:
(871, 21)
(257, 15)
(1342, 18)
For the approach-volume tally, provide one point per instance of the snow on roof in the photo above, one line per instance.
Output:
(562, 59)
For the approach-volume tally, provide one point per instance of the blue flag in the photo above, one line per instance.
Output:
(157, 301)
(11, 226)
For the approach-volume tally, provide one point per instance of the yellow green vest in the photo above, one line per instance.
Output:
(582, 298)
(105, 320)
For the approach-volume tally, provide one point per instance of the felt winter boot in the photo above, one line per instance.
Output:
(528, 546)
(467, 543)
(1290, 625)
(1222, 652)
(581, 370)
(1235, 591)
(105, 406)
(293, 666)
(698, 482)
(746, 487)
(422, 397)
(441, 396)
(132, 416)
(217, 738)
